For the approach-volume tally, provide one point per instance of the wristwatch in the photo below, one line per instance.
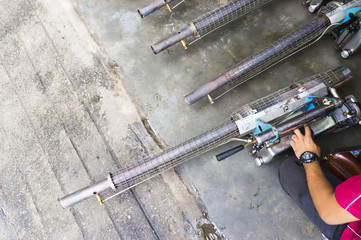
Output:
(308, 157)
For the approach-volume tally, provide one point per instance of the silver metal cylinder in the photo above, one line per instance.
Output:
(266, 155)
(345, 54)
(353, 45)
(294, 122)
(261, 61)
(151, 167)
(210, 22)
(84, 193)
(171, 40)
(151, 7)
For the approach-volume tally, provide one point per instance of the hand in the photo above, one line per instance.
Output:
(302, 143)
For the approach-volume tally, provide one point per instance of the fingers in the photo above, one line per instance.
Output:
(298, 133)
(307, 131)
(301, 143)
(292, 143)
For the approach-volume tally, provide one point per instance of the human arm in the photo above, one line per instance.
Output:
(321, 190)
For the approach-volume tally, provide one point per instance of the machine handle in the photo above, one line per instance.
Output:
(229, 152)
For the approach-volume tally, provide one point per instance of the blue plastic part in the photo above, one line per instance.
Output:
(310, 104)
(347, 16)
(262, 126)
(310, 100)
(350, 10)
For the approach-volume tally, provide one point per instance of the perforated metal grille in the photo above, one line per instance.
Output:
(151, 167)
(329, 78)
(329, 7)
(277, 51)
(226, 14)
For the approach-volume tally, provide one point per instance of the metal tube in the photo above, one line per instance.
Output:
(84, 193)
(259, 62)
(352, 46)
(151, 7)
(226, 14)
(292, 123)
(209, 139)
(168, 159)
(172, 39)
(317, 127)
(210, 22)
(326, 124)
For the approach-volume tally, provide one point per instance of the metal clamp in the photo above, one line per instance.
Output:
(194, 30)
(110, 181)
(275, 131)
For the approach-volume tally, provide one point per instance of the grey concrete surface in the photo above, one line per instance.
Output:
(66, 120)
(244, 201)
(77, 80)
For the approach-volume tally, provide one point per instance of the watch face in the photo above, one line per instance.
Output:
(308, 157)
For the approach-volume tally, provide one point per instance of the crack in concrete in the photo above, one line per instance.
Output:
(152, 225)
(152, 133)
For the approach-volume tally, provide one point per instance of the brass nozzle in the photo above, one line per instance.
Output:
(250, 143)
(100, 201)
(210, 99)
(169, 8)
(184, 44)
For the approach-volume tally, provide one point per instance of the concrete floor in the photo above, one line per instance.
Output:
(244, 201)
(78, 77)
(66, 120)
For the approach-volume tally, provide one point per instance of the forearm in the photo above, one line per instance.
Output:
(320, 188)
(323, 196)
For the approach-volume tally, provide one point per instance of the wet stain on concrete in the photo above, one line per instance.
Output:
(208, 230)
(256, 205)
(256, 194)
